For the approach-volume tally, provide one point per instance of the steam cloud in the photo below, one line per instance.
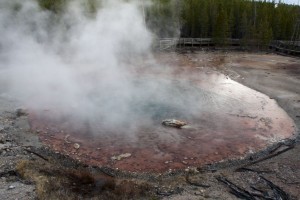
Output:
(81, 65)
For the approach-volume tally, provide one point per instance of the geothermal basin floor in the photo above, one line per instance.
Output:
(275, 77)
(226, 121)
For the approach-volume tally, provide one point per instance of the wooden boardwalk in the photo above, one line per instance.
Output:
(173, 43)
(286, 47)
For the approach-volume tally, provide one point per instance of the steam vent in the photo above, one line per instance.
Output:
(226, 121)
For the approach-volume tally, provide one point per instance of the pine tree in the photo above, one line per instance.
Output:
(221, 29)
(244, 29)
(204, 20)
(265, 34)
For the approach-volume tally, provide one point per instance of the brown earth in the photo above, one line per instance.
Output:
(29, 170)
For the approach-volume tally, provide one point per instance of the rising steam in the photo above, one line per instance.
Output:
(83, 66)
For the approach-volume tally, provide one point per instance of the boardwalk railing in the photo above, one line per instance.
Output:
(277, 45)
(172, 43)
(286, 47)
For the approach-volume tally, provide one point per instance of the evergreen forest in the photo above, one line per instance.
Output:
(248, 20)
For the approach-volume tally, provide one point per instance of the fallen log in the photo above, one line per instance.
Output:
(245, 169)
(279, 193)
(277, 150)
(37, 154)
(236, 190)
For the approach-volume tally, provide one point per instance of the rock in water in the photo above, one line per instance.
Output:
(120, 157)
(173, 123)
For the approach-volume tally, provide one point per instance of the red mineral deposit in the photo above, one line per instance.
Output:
(226, 120)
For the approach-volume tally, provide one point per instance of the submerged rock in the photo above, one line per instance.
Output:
(173, 123)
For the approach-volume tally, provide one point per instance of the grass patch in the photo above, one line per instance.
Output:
(57, 182)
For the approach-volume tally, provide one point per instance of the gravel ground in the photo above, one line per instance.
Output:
(14, 134)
